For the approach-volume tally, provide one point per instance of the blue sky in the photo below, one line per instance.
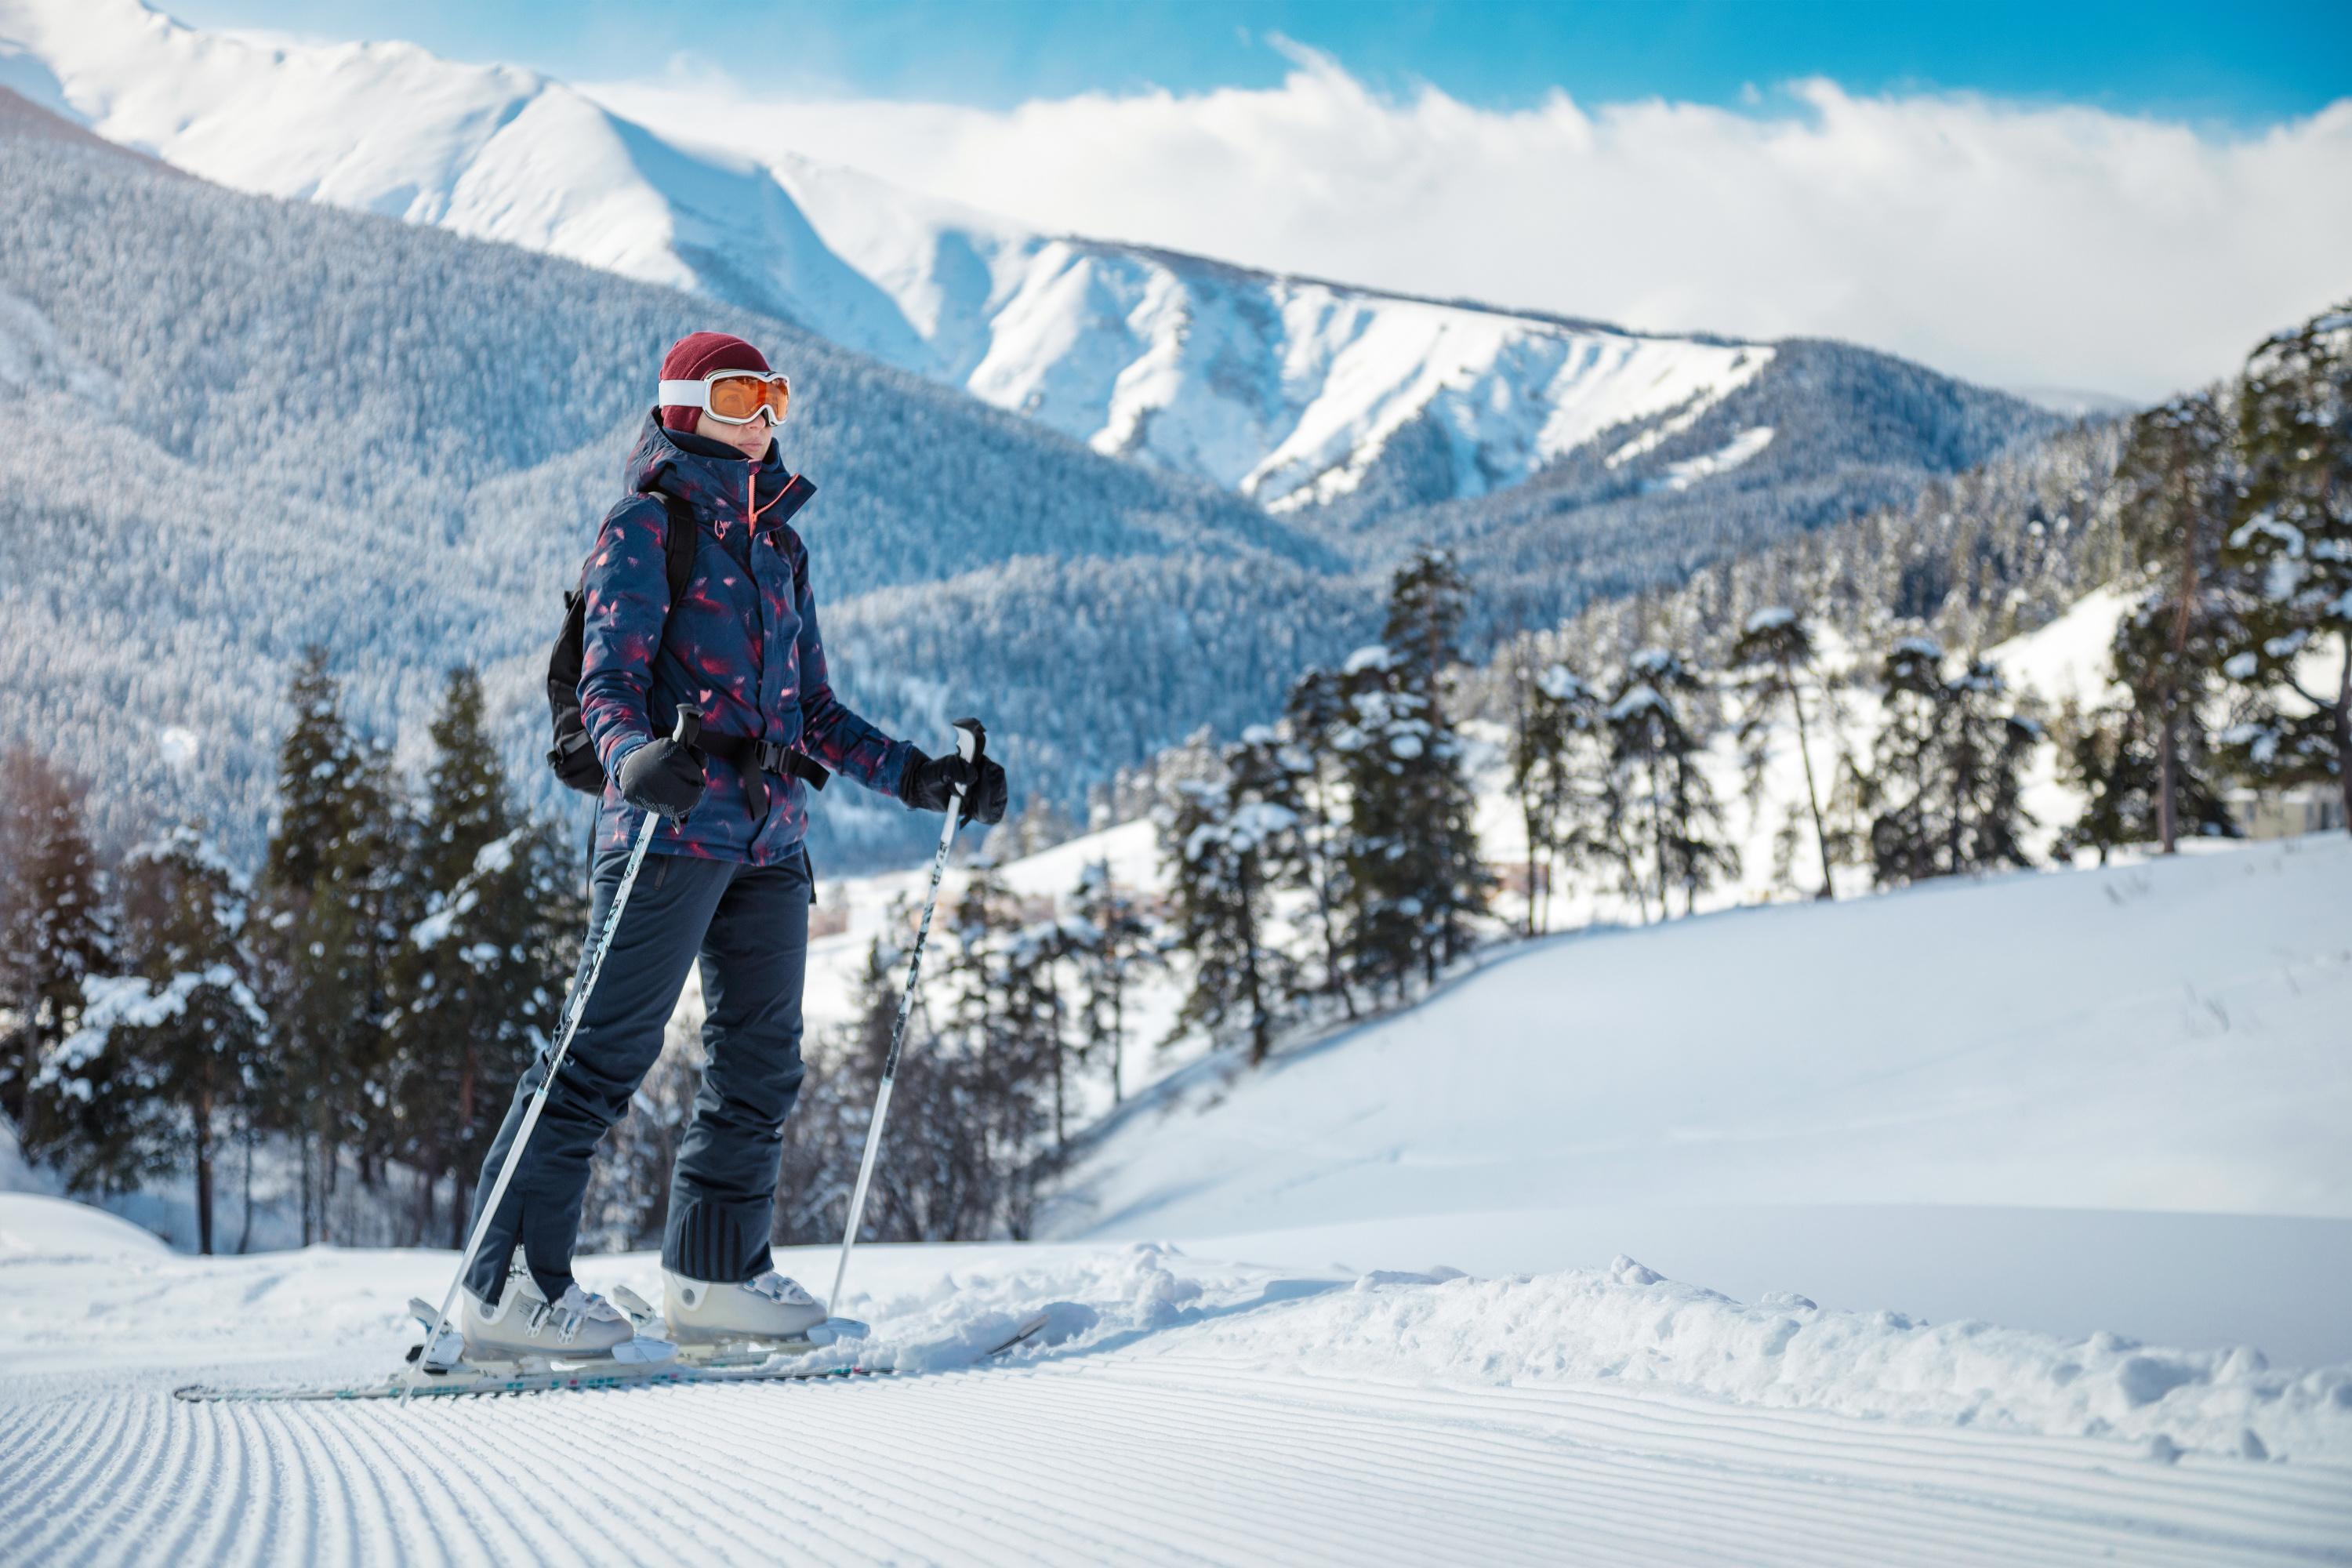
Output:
(2242, 65)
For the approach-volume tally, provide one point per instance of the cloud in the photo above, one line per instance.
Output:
(2013, 243)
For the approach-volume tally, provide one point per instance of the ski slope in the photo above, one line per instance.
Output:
(1186, 1411)
(1311, 1375)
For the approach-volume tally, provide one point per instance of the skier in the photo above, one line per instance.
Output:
(726, 877)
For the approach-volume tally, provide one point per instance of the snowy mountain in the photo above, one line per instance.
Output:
(1291, 391)
(185, 502)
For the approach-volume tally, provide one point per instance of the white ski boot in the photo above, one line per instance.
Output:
(526, 1324)
(770, 1309)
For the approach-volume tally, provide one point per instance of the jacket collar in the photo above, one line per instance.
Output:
(720, 483)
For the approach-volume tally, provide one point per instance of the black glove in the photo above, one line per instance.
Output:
(664, 774)
(929, 782)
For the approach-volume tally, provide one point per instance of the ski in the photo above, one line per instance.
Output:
(690, 1366)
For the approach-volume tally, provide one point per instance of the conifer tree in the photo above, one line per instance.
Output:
(1551, 710)
(51, 933)
(1113, 944)
(1415, 881)
(2176, 486)
(1946, 785)
(1228, 844)
(2292, 550)
(177, 1020)
(331, 881)
(1655, 748)
(1776, 647)
(1314, 715)
(477, 979)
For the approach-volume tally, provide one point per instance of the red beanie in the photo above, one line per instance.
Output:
(696, 355)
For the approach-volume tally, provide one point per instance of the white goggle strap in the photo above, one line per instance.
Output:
(696, 393)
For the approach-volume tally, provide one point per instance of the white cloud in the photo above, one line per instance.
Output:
(2013, 243)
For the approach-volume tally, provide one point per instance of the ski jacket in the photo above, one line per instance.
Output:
(741, 645)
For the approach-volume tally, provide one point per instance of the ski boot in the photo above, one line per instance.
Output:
(526, 1326)
(766, 1314)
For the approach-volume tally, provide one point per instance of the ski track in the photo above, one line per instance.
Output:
(1144, 1455)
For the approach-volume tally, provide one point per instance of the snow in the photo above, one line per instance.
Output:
(1286, 389)
(1176, 1409)
(2173, 1070)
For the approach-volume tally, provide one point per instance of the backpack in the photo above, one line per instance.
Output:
(571, 756)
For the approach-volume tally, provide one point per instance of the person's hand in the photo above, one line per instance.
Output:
(929, 783)
(663, 775)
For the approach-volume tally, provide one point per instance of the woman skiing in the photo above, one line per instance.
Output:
(726, 878)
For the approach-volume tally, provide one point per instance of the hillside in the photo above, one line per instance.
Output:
(1295, 392)
(1916, 1100)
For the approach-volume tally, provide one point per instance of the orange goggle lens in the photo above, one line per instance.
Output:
(737, 399)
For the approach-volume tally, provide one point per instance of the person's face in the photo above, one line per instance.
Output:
(751, 439)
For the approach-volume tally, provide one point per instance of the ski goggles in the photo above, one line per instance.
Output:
(732, 396)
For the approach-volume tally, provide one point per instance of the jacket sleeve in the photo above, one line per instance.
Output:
(830, 732)
(627, 600)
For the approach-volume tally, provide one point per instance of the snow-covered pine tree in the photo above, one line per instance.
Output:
(1415, 881)
(1775, 652)
(329, 881)
(997, 1079)
(2292, 545)
(1113, 944)
(1228, 844)
(1944, 789)
(2175, 489)
(1656, 739)
(1313, 715)
(51, 936)
(177, 1015)
(478, 980)
(1554, 717)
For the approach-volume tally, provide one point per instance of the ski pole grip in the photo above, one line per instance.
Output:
(689, 732)
(971, 739)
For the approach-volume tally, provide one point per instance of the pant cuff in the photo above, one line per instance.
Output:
(724, 1243)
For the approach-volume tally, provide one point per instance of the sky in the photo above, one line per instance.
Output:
(2110, 197)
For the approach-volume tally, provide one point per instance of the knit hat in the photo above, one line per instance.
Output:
(696, 355)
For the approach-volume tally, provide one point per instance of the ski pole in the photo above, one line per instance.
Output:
(688, 731)
(971, 744)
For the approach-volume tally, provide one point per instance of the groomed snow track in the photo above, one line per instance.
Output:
(1114, 1457)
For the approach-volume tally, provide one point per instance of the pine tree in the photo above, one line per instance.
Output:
(1946, 785)
(1655, 749)
(332, 883)
(477, 980)
(2176, 486)
(2292, 550)
(1314, 716)
(51, 934)
(1776, 647)
(1415, 881)
(178, 1017)
(1228, 844)
(1112, 944)
(1552, 711)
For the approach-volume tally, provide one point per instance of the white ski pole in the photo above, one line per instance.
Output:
(971, 744)
(688, 731)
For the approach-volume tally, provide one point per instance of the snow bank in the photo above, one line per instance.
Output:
(1626, 1324)
(58, 1230)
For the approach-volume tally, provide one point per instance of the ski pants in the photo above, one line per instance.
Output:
(749, 925)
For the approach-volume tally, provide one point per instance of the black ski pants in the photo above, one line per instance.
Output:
(749, 925)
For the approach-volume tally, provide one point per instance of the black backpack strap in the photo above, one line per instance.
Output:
(678, 545)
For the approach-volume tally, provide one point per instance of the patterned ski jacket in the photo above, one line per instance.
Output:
(742, 646)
